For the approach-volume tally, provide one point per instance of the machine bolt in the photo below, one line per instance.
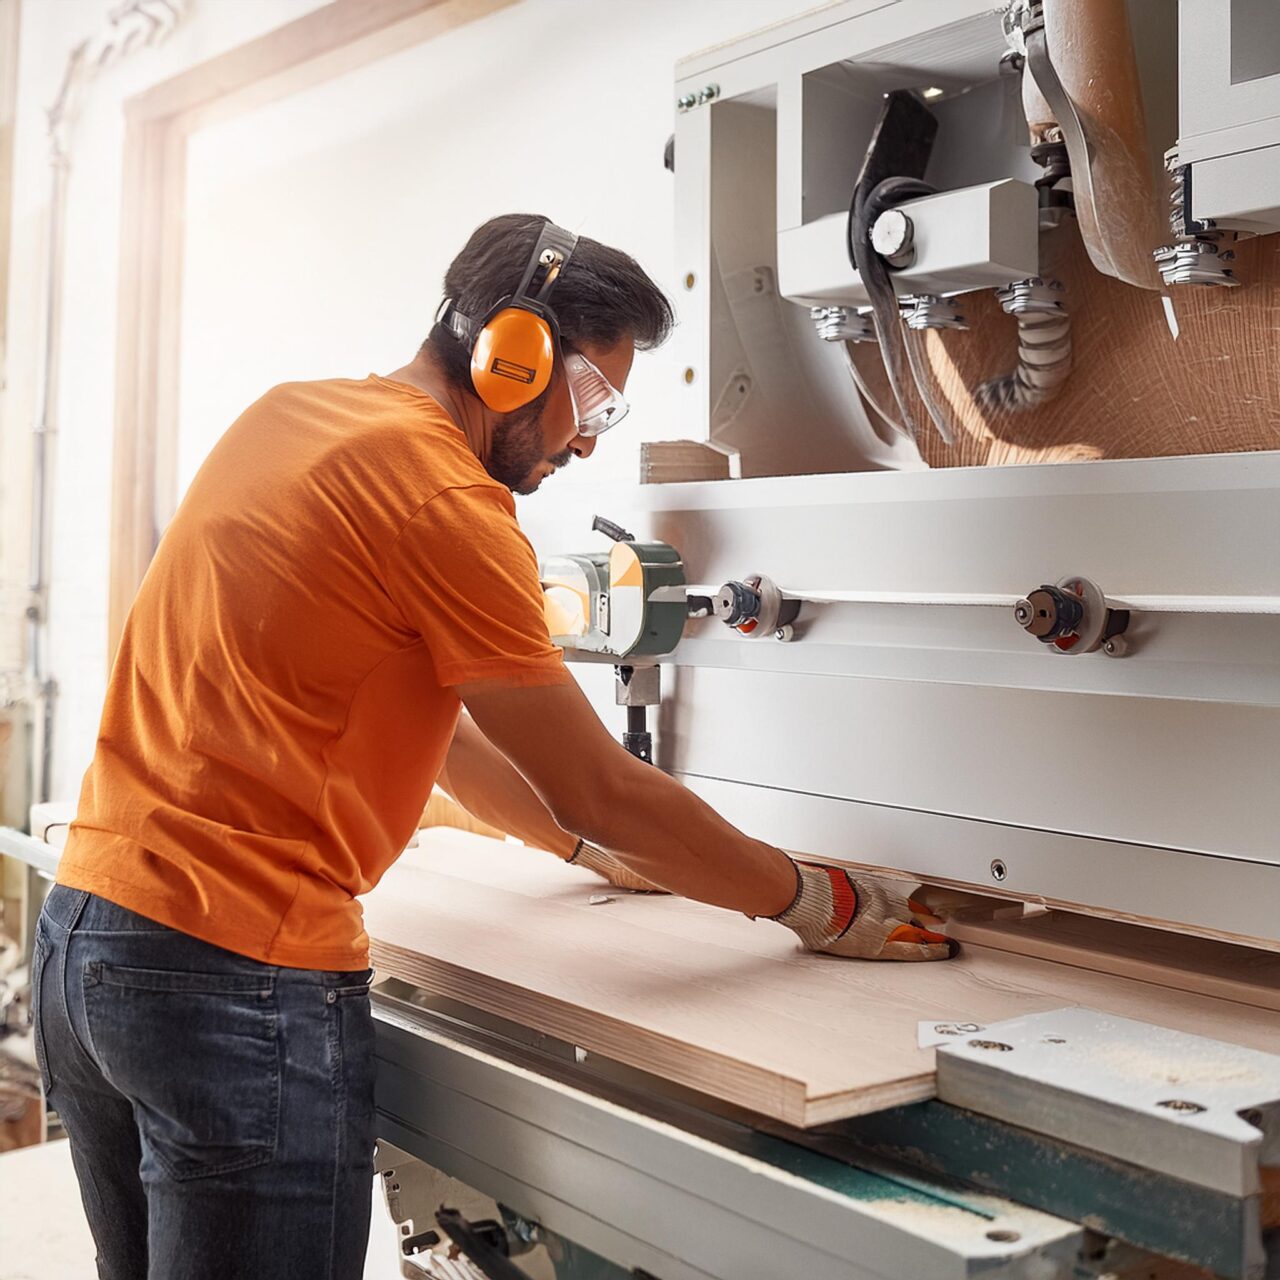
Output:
(929, 311)
(998, 870)
(1182, 1106)
(709, 93)
(1049, 612)
(840, 324)
(737, 603)
(687, 102)
(893, 238)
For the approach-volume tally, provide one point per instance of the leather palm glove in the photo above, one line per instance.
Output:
(868, 918)
(605, 864)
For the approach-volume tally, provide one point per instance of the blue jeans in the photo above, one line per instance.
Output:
(220, 1110)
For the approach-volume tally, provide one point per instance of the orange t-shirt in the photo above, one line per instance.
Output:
(282, 699)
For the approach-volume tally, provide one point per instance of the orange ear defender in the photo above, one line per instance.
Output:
(513, 349)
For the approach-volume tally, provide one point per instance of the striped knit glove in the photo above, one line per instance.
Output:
(866, 918)
(605, 864)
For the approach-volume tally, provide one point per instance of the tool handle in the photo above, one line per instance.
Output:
(611, 530)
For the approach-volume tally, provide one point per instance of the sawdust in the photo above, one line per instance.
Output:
(934, 1218)
(1136, 1062)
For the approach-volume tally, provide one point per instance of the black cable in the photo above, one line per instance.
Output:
(868, 203)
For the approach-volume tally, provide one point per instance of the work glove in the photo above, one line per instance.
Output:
(867, 918)
(605, 864)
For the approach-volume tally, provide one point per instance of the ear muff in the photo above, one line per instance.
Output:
(512, 358)
(514, 348)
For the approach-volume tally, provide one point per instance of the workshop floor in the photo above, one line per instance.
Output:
(44, 1236)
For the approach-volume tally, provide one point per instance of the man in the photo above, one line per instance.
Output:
(345, 574)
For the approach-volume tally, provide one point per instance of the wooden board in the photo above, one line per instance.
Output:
(710, 1000)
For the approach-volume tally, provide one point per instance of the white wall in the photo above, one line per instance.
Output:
(319, 228)
(82, 501)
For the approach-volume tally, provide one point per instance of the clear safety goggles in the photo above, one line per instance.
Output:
(597, 404)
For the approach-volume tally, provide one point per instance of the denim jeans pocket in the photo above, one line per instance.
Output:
(198, 1055)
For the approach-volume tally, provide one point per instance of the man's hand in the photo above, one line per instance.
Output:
(605, 864)
(866, 918)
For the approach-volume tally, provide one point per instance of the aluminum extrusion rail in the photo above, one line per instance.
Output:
(690, 1196)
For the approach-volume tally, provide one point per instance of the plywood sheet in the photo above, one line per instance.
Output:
(710, 1000)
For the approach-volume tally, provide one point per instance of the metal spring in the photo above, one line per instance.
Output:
(1178, 204)
(1192, 256)
(1044, 348)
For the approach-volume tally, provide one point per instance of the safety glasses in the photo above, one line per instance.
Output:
(597, 404)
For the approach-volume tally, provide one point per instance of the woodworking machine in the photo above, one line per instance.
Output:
(861, 655)
(863, 659)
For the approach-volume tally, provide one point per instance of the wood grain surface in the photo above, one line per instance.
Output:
(1136, 390)
(710, 1000)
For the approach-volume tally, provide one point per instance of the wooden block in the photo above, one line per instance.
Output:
(710, 1000)
(668, 461)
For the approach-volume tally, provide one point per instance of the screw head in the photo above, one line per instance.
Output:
(892, 237)
(1182, 1106)
(998, 870)
(993, 1046)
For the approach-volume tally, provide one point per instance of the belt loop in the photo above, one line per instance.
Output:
(79, 909)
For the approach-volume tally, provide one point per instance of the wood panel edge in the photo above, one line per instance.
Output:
(744, 1085)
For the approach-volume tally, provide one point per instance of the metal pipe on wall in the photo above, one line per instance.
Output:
(133, 25)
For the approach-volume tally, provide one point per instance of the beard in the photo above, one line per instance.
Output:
(518, 448)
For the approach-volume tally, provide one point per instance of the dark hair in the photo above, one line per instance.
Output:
(602, 295)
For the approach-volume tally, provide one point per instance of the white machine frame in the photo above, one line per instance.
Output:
(940, 741)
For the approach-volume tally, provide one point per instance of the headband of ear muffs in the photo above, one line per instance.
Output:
(513, 348)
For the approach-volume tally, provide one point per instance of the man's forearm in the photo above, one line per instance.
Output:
(485, 783)
(665, 833)
(591, 787)
(654, 826)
